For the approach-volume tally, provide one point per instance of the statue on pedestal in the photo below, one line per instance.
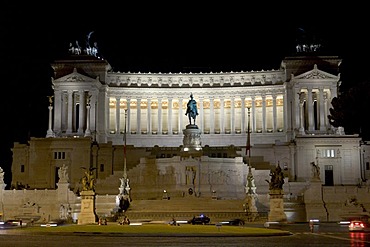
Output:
(63, 173)
(250, 187)
(191, 110)
(88, 180)
(125, 186)
(315, 171)
(277, 178)
(2, 175)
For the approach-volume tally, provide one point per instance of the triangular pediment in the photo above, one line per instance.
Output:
(316, 74)
(75, 77)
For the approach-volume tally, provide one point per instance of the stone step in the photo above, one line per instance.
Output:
(187, 204)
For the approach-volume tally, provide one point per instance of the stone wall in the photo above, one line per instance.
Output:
(326, 203)
(335, 203)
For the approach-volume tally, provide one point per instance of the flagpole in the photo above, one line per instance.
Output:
(124, 149)
(248, 148)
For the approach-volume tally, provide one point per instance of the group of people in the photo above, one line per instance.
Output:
(125, 221)
(173, 222)
(102, 222)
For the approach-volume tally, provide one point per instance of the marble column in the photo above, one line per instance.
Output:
(274, 113)
(93, 110)
(212, 115)
(311, 125)
(180, 114)
(301, 121)
(160, 127)
(254, 120)
(81, 119)
(264, 122)
(222, 116)
(88, 132)
(58, 111)
(50, 132)
(118, 112)
(297, 110)
(149, 117)
(128, 123)
(138, 116)
(243, 128)
(232, 122)
(321, 110)
(326, 112)
(201, 113)
(169, 117)
(70, 112)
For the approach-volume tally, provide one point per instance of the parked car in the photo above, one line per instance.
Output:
(357, 226)
(200, 220)
(12, 223)
(233, 222)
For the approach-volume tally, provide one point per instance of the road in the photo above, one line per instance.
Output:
(324, 235)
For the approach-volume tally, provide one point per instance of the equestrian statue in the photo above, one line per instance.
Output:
(192, 110)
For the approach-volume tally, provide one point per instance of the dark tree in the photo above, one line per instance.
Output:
(350, 110)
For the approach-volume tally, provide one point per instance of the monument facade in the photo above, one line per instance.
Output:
(197, 145)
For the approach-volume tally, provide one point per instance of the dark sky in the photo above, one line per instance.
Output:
(157, 38)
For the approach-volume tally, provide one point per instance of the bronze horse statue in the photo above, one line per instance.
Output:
(192, 110)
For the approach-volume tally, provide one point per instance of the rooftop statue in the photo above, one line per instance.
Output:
(75, 49)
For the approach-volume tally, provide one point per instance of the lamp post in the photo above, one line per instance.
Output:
(124, 197)
(248, 148)
(124, 149)
(251, 188)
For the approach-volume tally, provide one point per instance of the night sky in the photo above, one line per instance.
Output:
(156, 38)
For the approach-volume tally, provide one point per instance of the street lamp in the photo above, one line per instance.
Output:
(248, 148)
(124, 149)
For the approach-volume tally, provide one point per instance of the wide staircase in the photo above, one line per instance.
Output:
(188, 207)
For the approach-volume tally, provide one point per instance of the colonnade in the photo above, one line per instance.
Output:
(75, 112)
(312, 109)
(162, 116)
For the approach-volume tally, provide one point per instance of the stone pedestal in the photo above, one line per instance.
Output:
(192, 141)
(250, 203)
(63, 190)
(250, 207)
(87, 214)
(315, 208)
(277, 206)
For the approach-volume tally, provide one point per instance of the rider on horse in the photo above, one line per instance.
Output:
(192, 109)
